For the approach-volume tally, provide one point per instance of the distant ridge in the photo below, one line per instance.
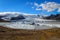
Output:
(8, 16)
(53, 17)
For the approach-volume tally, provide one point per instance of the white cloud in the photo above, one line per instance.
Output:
(4, 13)
(48, 6)
(36, 4)
(59, 10)
(32, 7)
(38, 8)
(15, 13)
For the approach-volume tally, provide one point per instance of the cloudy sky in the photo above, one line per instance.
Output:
(42, 7)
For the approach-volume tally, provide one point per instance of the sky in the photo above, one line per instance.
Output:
(42, 7)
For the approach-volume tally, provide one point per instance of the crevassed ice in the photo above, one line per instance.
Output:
(27, 25)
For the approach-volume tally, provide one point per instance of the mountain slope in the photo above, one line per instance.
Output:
(53, 17)
(10, 17)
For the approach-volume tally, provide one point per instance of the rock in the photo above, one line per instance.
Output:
(53, 17)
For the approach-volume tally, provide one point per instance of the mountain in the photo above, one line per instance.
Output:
(1, 17)
(11, 16)
(19, 17)
(53, 17)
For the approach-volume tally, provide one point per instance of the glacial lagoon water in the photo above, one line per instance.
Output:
(27, 24)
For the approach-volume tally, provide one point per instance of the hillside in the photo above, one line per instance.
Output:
(19, 34)
(1, 20)
(53, 17)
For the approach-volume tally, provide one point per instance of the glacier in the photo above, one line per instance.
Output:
(31, 22)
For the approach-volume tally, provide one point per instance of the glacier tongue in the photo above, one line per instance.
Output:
(25, 24)
(31, 22)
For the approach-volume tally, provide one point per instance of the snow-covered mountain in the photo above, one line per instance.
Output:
(11, 16)
(8, 16)
(53, 17)
(29, 21)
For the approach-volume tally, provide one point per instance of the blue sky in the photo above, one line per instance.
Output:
(27, 6)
